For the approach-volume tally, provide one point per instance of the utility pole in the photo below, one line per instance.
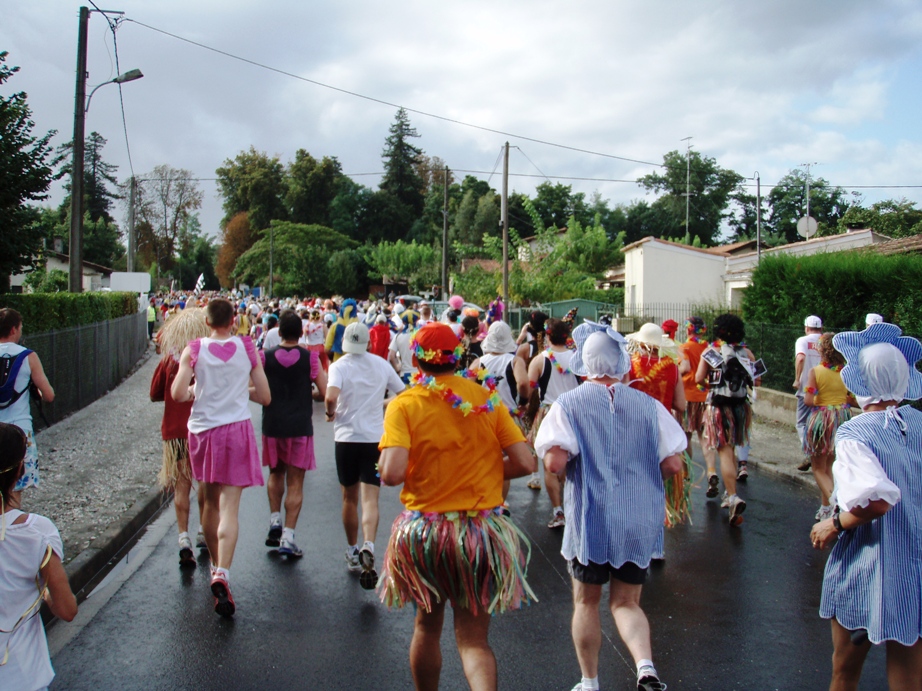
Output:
(687, 195)
(75, 265)
(807, 165)
(758, 218)
(132, 249)
(271, 252)
(505, 218)
(445, 238)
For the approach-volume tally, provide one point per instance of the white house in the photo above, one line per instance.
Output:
(95, 276)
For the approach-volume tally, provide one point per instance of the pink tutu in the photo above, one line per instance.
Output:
(226, 455)
(294, 451)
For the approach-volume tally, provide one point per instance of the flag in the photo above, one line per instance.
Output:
(200, 283)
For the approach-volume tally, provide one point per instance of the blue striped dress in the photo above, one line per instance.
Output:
(614, 489)
(873, 578)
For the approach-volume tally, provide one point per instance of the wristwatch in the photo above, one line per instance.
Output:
(836, 521)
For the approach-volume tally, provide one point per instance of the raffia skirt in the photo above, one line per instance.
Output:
(822, 423)
(727, 424)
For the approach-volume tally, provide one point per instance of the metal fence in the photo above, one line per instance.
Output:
(85, 362)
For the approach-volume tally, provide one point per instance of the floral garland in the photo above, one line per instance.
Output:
(466, 407)
(662, 363)
(556, 365)
(832, 368)
(436, 356)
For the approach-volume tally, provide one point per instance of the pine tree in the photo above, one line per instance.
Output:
(401, 158)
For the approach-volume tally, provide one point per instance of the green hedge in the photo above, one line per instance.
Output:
(43, 312)
(840, 287)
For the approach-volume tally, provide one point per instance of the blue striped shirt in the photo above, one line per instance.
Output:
(873, 578)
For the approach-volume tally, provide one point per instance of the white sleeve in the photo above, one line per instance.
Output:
(392, 344)
(334, 377)
(672, 439)
(859, 477)
(555, 430)
(394, 382)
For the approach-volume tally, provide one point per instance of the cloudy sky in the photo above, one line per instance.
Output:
(759, 86)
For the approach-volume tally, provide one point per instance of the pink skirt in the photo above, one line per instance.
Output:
(226, 455)
(294, 451)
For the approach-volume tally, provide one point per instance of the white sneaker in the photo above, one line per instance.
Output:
(823, 513)
(737, 506)
(352, 559)
(725, 501)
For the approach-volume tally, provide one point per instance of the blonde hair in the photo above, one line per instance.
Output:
(186, 326)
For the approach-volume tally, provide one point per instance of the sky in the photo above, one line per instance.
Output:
(762, 88)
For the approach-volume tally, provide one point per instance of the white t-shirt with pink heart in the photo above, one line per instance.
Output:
(222, 377)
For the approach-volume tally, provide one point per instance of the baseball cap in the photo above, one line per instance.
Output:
(355, 339)
(813, 322)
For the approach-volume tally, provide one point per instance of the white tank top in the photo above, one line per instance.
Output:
(497, 364)
(559, 383)
(222, 377)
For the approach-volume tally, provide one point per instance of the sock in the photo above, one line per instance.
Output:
(645, 668)
(370, 546)
(352, 549)
(590, 684)
(288, 534)
(224, 571)
(559, 509)
(183, 535)
(275, 517)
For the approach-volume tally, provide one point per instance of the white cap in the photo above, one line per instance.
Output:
(355, 339)
(813, 322)
(873, 318)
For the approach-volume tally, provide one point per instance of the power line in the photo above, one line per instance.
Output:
(388, 103)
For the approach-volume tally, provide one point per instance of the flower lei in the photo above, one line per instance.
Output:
(832, 368)
(436, 356)
(466, 407)
(556, 365)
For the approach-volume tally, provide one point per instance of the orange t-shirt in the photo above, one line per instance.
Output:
(691, 351)
(456, 462)
(655, 376)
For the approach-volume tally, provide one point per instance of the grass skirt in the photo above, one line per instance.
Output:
(175, 463)
(727, 425)
(476, 559)
(693, 418)
(822, 423)
(678, 489)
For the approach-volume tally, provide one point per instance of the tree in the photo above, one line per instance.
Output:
(253, 182)
(236, 238)
(166, 201)
(709, 185)
(401, 158)
(742, 219)
(788, 203)
(24, 177)
(98, 174)
(418, 265)
(555, 204)
(348, 209)
(311, 187)
(895, 219)
(196, 255)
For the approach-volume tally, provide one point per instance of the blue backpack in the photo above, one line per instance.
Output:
(9, 370)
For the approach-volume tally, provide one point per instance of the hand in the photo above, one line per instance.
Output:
(796, 384)
(823, 534)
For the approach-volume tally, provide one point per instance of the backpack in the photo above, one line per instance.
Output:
(9, 370)
(733, 378)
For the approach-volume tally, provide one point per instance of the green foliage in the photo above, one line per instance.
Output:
(24, 176)
(300, 258)
(788, 203)
(401, 177)
(419, 265)
(895, 219)
(43, 312)
(311, 187)
(253, 182)
(42, 281)
(840, 287)
(555, 204)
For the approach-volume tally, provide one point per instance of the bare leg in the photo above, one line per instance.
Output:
(351, 513)
(554, 488)
(211, 499)
(294, 479)
(477, 658)
(847, 659)
(425, 652)
(275, 487)
(181, 502)
(630, 619)
(710, 455)
(727, 456)
(904, 666)
(586, 628)
(228, 527)
(369, 512)
(822, 473)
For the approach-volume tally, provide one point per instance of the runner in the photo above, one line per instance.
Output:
(357, 393)
(616, 445)
(695, 397)
(287, 429)
(347, 315)
(805, 359)
(222, 444)
(445, 440)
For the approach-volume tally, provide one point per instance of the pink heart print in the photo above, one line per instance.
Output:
(287, 358)
(223, 351)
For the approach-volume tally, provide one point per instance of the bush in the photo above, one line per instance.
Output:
(840, 287)
(43, 312)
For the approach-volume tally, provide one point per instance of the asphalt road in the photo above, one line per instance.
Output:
(730, 609)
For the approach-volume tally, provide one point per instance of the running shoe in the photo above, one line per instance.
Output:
(223, 601)
(186, 555)
(274, 539)
(737, 506)
(289, 548)
(743, 473)
(352, 559)
(534, 482)
(713, 486)
(725, 501)
(557, 520)
(369, 577)
(200, 543)
(650, 682)
(805, 465)
(823, 513)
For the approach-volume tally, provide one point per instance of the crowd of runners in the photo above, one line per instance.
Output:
(455, 406)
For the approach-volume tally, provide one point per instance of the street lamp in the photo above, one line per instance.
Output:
(76, 185)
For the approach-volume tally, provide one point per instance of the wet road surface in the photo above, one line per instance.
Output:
(730, 608)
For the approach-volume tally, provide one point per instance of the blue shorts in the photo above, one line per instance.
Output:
(30, 476)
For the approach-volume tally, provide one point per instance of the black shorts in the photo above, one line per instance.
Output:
(357, 462)
(598, 574)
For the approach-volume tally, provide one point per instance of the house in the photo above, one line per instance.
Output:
(95, 276)
(537, 247)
